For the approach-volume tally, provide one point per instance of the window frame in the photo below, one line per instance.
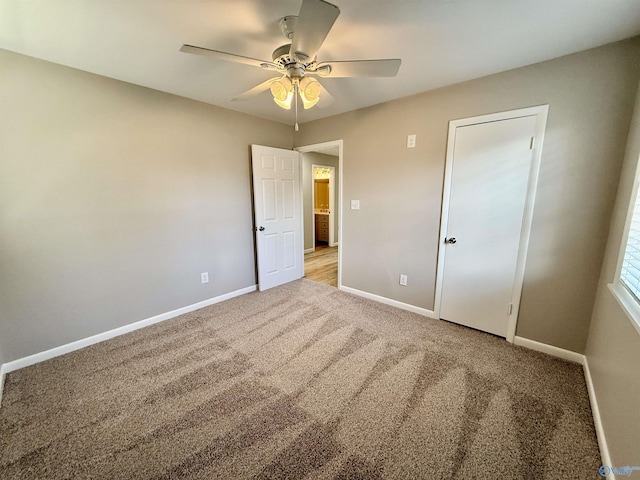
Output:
(629, 303)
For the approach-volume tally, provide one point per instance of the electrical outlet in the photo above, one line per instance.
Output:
(411, 141)
(403, 280)
(204, 277)
(355, 204)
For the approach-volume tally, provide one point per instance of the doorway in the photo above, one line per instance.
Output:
(490, 181)
(321, 167)
(323, 199)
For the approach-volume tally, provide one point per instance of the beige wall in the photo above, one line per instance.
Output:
(613, 349)
(309, 159)
(113, 199)
(591, 99)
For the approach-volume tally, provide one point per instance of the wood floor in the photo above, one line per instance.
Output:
(322, 265)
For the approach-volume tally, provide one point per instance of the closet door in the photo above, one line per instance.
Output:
(489, 182)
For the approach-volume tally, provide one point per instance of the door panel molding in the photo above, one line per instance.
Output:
(541, 113)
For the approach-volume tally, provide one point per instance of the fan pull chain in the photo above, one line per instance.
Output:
(295, 94)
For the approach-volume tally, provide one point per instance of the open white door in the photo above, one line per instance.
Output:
(278, 215)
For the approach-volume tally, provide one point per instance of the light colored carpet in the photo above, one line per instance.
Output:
(301, 381)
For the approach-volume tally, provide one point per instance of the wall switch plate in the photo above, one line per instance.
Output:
(411, 140)
(204, 277)
(403, 280)
(355, 204)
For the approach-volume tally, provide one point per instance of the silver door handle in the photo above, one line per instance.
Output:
(450, 240)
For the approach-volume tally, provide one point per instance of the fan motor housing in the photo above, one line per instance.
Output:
(288, 62)
(281, 55)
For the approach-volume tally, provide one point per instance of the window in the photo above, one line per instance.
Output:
(626, 285)
(630, 269)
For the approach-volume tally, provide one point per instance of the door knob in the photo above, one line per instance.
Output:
(450, 240)
(261, 228)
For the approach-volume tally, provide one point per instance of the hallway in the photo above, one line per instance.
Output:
(322, 265)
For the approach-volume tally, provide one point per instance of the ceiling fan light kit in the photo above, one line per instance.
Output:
(295, 61)
(309, 91)
(282, 91)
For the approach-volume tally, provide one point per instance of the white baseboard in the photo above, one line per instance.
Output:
(2, 375)
(597, 421)
(101, 337)
(389, 301)
(549, 350)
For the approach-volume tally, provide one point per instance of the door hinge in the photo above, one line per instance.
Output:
(532, 143)
(510, 308)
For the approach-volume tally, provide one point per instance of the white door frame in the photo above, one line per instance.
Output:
(332, 179)
(541, 112)
(315, 148)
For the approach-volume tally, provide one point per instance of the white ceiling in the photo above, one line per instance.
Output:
(441, 42)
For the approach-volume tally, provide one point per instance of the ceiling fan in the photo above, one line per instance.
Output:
(296, 62)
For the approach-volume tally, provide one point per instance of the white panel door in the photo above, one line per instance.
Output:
(278, 215)
(487, 196)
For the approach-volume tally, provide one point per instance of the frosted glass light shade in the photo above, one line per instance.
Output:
(282, 91)
(309, 92)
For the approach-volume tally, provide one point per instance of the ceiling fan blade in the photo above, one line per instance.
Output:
(229, 57)
(359, 68)
(315, 19)
(255, 90)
